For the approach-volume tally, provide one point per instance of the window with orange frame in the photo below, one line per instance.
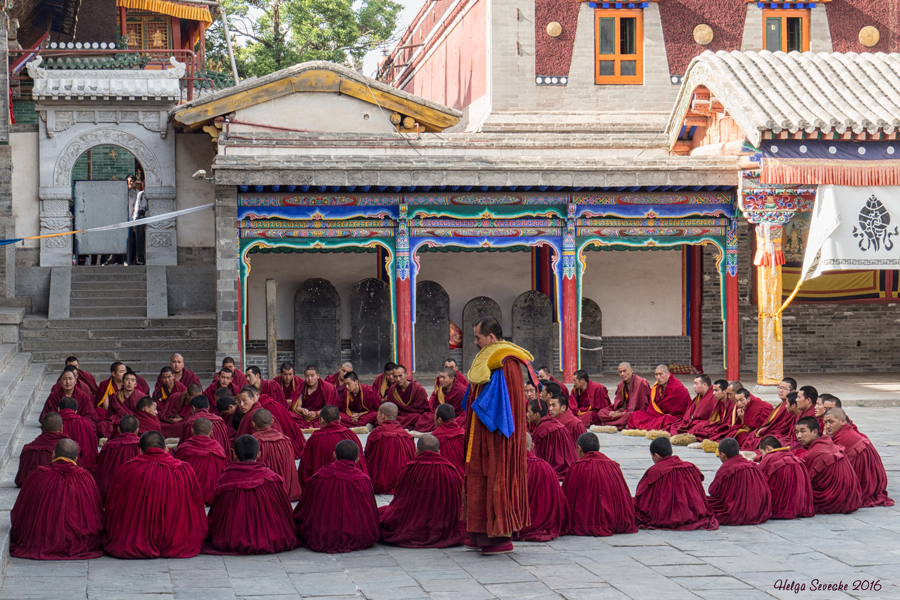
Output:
(786, 30)
(618, 47)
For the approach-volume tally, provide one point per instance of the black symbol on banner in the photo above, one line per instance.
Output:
(874, 220)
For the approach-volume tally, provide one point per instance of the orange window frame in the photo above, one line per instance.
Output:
(784, 15)
(617, 56)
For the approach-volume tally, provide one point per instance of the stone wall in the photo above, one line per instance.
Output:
(227, 275)
(645, 353)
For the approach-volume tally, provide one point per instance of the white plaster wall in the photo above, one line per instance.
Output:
(314, 111)
(639, 292)
(194, 151)
(343, 270)
(502, 276)
(26, 205)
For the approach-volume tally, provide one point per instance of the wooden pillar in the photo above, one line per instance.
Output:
(545, 267)
(732, 317)
(570, 300)
(201, 48)
(271, 327)
(696, 303)
(768, 260)
(176, 34)
(123, 26)
(403, 289)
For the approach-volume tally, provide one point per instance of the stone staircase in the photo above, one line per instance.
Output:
(106, 291)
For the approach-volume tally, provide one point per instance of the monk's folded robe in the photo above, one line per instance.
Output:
(598, 497)
(834, 482)
(381, 387)
(573, 424)
(289, 428)
(740, 428)
(364, 401)
(670, 495)
(388, 449)
(210, 392)
(119, 405)
(245, 427)
(82, 431)
(147, 422)
(588, 403)
(168, 403)
(250, 512)
(37, 453)
(275, 453)
(187, 378)
(178, 405)
(629, 399)
(454, 397)
(208, 460)
(546, 502)
(866, 463)
(411, 403)
(789, 485)
(319, 450)
(425, 510)
(450, 435)
(667, 405)
(315, 401)
(272, 389)
(553, 443)
(562, 386)
(779, 423)
(219, 429)
(85, 404)
(699, 408)
(115, 453)
(89, 381)
(790, 440)
(290, 390)
(739, 493)
(337, 511)
(57, 515)
(154, 509)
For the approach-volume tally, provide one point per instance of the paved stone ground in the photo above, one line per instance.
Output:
(735, 562)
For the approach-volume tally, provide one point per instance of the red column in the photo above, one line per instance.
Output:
(570, 328)
(404, 323)
(696, 296)
(545, 264)
(122, 23)
(732, 336)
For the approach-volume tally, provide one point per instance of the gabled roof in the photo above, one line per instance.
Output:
(806, 94)
(316, 76)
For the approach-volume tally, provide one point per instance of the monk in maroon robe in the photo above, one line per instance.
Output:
(182, 375)
(84, 377)
(118, 404)
(250, 512)
(745, 416)
(739, 494)
(451, 364)
(58, 514)
(80, 385)
(67, 388)
(670, 495)
(598, 497)
(228, 408)
(384, 380)
(337, 379)
(779, 423)
(165, 396)
(788, 479)
(448, 390)
(801, 404)
(146, 415)
(588, 398)
(266, 387)
(39, 453)
(450, 435)
(863, 457)
(107, 388)
(669, 400)
(359, 402)
(320, 445)
(425, 510)
(389, 448)
(700, 408)
(546, 502)
(704, 427)
(224, 379)
(80, 430)
(558, 408)
(834, 482)
(205, 456)
(116, 452)
(178, 408)
(200, 410)
(238, 380)
(276, 453)
(337, 511)
(290, 384)
(632, 394)
(545, 374)
(552, 441)
(410, 397)
(155, 507)
(315, 394)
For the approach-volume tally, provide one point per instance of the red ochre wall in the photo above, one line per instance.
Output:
(553, 55)
(679, 17)
(847, 17)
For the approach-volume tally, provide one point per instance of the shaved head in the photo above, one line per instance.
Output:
(203, 427)
(262, 419)
(428, 443)
(389, 410)
(128, 424)
(329, 414)
(51, 423)
(346, 450)
(625, 365)
(66, 449)
(663, 368)
(152, 439)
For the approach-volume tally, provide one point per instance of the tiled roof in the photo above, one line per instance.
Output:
(809, 92)
(134, 84)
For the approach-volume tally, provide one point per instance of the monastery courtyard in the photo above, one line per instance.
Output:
(734, 562)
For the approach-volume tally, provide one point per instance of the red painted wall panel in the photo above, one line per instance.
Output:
(679, 17)
(553, 55)
(847, 17)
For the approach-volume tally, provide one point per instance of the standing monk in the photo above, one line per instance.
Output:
(632, 394)
(384, 381)
(589, 398)
(669, 399)
(39, 452)
(410, 397)
(448, 389)
(315, 394)
(834, 482)
(779, 423)
(496, 499)
(863, 456)
(182, 375)
(359, 402)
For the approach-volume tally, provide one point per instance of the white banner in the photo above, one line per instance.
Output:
(153, 219)
(853, 228)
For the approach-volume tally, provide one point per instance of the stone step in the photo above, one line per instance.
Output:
(192, 321)
(108, 286)
(165, 345)
(7, 352)
(14, 402)
(120, 311)
(102, 294)
(124, 355)
(89, 270)
(148, 370)
(111, 302)
(69, 335)
(109, 278)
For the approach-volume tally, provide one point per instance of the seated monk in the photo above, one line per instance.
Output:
(228, 408)
(670, 495)
(385, 380)
(739, 493)
(531, 393)
(863, 457)
(67, 388)
(425, 510)
(200, 410)
(315, 394)
(81, 431)
(265, 387)
(450, 435)
(84, 377)
(39, 453)
(558, 408)
(224, 379)
(549, 390)
(237, 378)
(290, 384)
(58, 514)
(155, 507)
(779, 423)
(834, 482)
(276, 405)
(178, 408)
(388, 449)
(146, 414)
(248, 403)
(337, 379)
(669, 400)
(167, 391)
(745, 416)
(595, 490)
(250, 512)
(320, 445)
(359, 402)
(182, 375)
(802, 405)
(337, 511)
(451, 364)
(788, 479)
(704, 427)
(632, 394)
(700, 408)
(109, 387)
(117, 405)
(205, 456)
(552, 441)
(827, 401)
(410, 398)
(116, 452)
(276, 453)
(449, 389)
(588, 398)
(546, 501)
(545, 374)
